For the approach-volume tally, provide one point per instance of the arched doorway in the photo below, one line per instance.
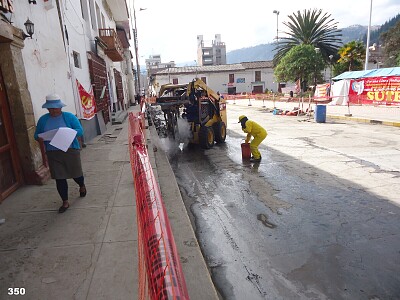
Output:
(10, 170)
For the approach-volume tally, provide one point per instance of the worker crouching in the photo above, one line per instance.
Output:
(258, 133)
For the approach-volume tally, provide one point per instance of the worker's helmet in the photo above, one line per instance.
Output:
(241, 118)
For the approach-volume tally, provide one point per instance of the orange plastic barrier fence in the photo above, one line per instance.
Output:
(160, 271)
(352, 100)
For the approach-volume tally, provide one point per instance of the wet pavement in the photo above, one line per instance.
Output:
(318, 218)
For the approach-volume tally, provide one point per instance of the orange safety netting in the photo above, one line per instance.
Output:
(160, 271)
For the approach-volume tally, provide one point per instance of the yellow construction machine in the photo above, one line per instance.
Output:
(204, 110)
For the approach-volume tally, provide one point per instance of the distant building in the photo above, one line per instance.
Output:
(154, 65)
(246, 77)
(211, 55)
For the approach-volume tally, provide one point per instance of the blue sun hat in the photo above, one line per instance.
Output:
(53, 101)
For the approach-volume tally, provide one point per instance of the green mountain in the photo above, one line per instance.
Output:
(375, 34)
(266, 51)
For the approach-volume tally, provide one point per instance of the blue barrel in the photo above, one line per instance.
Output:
(320, 113)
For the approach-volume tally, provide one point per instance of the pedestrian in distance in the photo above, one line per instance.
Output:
(62, 165)
(258, 133)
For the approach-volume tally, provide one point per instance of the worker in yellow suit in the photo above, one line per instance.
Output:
(258, 133)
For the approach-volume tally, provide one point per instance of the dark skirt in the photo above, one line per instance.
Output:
(64, 165)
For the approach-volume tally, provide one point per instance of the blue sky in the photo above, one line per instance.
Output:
(170, 28)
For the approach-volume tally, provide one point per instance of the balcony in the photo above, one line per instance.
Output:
(114, 46)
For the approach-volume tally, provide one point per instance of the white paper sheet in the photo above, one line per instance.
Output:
(48, 135)
(63, 138)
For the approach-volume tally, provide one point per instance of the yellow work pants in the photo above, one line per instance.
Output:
(254, 145)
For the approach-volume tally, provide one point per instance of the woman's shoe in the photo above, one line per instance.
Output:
(63, 208)
(82, 191)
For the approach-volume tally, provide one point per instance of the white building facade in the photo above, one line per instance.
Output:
(67, 45)
(246, 77)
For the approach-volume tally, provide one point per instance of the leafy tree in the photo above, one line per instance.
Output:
(391, 42)
(312, 27)
(352, 56)
(301, 62)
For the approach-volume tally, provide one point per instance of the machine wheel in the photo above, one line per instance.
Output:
(206, 137)
(172, 124)
(220, 132)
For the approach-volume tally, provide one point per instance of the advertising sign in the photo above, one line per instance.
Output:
(375, 91)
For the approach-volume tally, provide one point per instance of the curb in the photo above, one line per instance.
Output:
(364, 120)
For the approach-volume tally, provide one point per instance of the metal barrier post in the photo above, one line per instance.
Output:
(273, 100)
(348, 109)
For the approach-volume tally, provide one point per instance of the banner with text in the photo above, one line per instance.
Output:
(375, 90)
(87, 102)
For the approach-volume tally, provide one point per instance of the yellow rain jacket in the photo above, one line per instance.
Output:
(255, 130)
(259, 134)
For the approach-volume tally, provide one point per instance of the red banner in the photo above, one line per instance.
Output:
(375, 90)
(87, 102)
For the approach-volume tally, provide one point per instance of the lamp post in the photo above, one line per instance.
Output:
(277, 35)
(277, 15)
(135, 41)
(368, 34)
(330, 76)
(317, 50)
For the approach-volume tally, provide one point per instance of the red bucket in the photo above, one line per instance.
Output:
(246, 153)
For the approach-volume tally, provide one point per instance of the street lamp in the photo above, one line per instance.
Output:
(330, 76)
(368, 34)
(135, 41)
(277, 15)
(317, 51)
(330, 59)
(30, 29)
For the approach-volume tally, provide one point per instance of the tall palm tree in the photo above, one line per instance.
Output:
(311, 27)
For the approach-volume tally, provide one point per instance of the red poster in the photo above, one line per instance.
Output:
(375, 91)
(87, 102)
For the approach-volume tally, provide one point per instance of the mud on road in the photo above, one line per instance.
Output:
(290, 229)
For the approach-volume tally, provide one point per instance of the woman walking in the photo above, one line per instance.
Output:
(63, 165)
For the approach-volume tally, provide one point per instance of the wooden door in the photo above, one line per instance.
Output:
(10, 174)
(257, 89)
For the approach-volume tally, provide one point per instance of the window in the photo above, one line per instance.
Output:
(98, 16)
(82, 10)
(85, 9)
(231, 78)
(257, 76)
(92, 15)
(77, 59)
(175, 81)
(103, 21)
(204, 79)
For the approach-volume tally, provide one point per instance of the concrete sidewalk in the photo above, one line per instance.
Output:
(385, 115)
(90, 251)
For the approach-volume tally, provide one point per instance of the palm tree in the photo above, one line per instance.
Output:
(311, 27)
(352, 55)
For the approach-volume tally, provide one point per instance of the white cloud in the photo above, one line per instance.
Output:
(170, 28)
